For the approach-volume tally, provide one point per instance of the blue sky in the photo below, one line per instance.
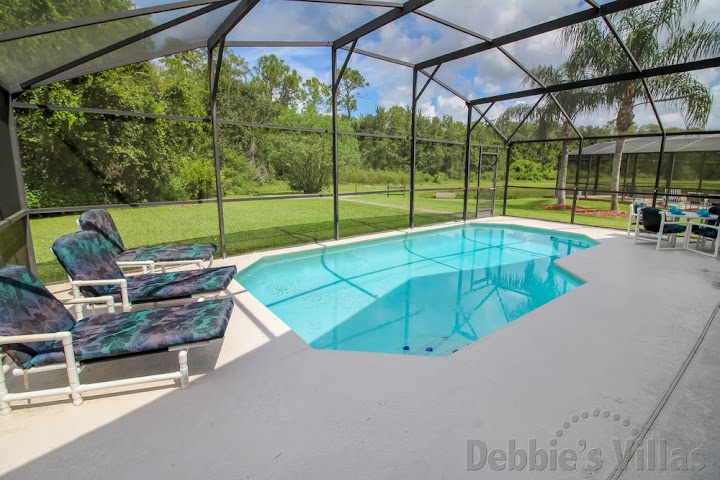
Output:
(414, 38)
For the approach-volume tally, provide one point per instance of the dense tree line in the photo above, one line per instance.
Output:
(78, 158)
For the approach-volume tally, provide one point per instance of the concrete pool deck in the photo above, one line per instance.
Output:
(272, 407)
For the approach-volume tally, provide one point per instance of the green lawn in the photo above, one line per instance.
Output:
(248, 225)
(532, 208)
(520, 207)
(430, 203)
(257, 225)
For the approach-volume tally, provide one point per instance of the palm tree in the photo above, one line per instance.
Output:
(548, 115)
(656, 34)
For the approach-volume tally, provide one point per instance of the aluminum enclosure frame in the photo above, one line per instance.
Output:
(397, 11)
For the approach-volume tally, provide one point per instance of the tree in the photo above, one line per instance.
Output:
(304, 159)
(656, 34)
(278, 81)
(184, 79)
(351, 82)
(78, 158)
(548, 115)
(317, 95)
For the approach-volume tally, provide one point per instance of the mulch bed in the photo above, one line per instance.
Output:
(587, 211)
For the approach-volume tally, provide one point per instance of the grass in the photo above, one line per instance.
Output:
(444, 205)
(248, 226)
(259, 225)
(532, 208)
(519, 207)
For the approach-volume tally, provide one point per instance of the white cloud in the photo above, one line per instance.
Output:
(451, 105)
(391, 83)
(414, 38)
(494, 18)
(428, 109)
(308, 61)
(301, 21)
(492, 89)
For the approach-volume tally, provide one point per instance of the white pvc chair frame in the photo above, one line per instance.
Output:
(644, 235)
(714, 244)
(673, 196)
(77, 295)
(75, 388)
(633, 214)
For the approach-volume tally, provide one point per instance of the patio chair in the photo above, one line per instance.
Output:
(634, 214)
(706, 231)
(656, 227)
(93, 272)
(38, 334)
(101, 221)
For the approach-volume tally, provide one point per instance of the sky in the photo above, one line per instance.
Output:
(414, 38)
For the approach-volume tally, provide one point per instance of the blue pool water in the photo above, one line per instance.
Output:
(428, 293)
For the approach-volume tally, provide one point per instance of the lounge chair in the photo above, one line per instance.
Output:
(634, 214)
(696, 200)
(673, 197)
(101, 221)
(88, 260)
(38, 334)
(656, 227)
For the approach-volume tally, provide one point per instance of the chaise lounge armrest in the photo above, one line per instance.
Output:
(148, 266)
(36, 337)
(108, 300)
(121, 282)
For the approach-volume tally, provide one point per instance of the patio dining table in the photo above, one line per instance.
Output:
(688, 217)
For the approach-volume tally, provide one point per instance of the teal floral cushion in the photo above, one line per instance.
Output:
(27, 307)
(87, 255)
(115, 334)
(169, 253)
(163, 286)
(100, 221)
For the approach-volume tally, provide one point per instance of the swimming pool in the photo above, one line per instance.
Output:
(428, 293)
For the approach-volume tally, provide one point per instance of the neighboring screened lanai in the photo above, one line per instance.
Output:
(690, 163)
(263, 123)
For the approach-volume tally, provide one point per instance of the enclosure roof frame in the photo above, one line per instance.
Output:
(397, 11)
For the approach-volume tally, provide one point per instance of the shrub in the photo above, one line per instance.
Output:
(199, 179)
(440, 177)
(527, 171)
